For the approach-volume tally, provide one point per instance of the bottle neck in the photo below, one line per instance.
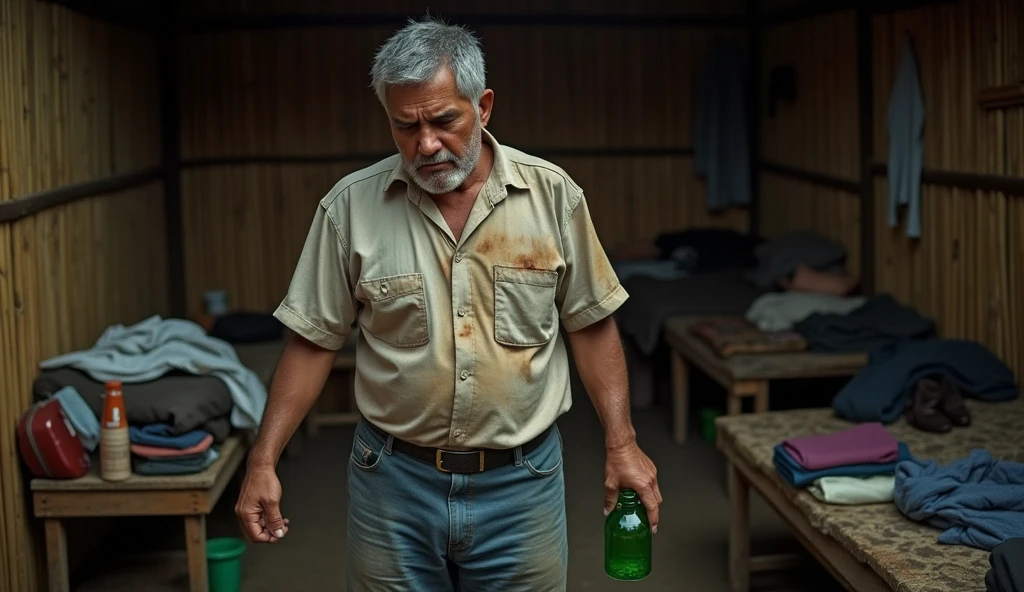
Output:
(628, 499)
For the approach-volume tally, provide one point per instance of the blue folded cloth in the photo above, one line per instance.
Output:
(81, 416)
(978, 501)
(175, 465)
(162, 435)
(797, 476)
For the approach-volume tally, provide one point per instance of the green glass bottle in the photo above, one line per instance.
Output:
(627, 539)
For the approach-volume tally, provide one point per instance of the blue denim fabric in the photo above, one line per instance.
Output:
(414, 528)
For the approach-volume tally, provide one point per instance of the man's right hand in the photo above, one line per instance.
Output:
(259, 506)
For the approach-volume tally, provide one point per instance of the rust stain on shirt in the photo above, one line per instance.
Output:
(525, 252)
(466, 331)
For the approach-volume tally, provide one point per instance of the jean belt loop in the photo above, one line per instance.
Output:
(517, 452)
(388, 444)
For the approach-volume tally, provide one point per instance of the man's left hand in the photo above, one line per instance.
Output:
(628, 466)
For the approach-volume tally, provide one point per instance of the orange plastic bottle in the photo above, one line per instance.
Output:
(115, 447)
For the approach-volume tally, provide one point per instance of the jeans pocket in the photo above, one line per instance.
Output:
(366, 456)
(546, 459)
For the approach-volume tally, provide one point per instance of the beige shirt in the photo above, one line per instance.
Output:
(458, 343)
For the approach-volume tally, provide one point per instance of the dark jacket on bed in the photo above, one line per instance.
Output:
(879, 322)
(879, 391)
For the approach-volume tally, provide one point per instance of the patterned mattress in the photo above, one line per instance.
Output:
(905, 553)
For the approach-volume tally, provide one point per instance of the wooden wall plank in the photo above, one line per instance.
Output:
(963, 271)
(283, 93)
(415, 8)
(77, 103)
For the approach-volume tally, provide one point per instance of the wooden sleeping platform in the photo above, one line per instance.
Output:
(869, 547)
(743, 376)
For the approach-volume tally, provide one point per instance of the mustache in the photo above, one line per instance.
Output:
(436, 158)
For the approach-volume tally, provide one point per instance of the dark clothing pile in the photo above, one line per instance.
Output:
(879, 391)
(184, 402)
(879, 322)
(1006, 573)
(709, 249)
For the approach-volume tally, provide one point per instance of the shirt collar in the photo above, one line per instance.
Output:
(503, 170)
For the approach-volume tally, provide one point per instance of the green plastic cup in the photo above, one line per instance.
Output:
(707, 423)
(224, 563)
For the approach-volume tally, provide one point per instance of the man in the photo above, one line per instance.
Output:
(459, 259)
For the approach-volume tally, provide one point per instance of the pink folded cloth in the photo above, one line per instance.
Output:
(865, 443)
(163, 452)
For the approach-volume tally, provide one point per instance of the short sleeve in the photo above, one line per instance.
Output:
(589, 290)
(319, 304)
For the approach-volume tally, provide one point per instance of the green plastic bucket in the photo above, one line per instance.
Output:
(707, 423)
(224, 563)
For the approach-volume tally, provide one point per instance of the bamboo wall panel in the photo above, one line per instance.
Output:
(958, 273)
(78, 102)
(965, 270)
(287, 93)
(414, 8)
(819, 130)
(798, 205)
(961, 47)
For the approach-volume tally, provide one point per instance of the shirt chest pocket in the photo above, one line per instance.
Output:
(396, 309)
(524, 306)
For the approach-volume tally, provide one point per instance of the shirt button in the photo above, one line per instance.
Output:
(461, 312)
(383, 288)
(464, 375)
(458, 257)
(460, 434)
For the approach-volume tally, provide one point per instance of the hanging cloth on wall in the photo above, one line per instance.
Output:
(721, 127)
(906, 151)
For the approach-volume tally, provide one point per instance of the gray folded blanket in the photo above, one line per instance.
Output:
(185, 401)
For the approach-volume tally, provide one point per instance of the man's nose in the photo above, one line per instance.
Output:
(429, 143)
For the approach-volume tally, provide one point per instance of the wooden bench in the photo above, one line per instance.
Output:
(191, 496)
(743, 376)
(869, 547)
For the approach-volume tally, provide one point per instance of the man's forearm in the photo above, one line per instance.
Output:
(298, 380)
(599, 359)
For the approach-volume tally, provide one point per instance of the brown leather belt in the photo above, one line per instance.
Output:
(462, 461)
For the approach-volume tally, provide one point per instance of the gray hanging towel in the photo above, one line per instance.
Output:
(906, 151)
(721, 127)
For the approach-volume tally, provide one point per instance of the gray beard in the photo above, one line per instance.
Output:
(446, 181)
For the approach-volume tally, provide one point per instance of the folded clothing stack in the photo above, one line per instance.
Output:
(851, 466)
(157, 450)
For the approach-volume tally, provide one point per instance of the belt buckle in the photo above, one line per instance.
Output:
(439, 460)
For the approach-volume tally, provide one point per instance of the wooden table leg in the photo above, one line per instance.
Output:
(680, 397)
(735, 402)
(739, 531)
(57, 556)
(195, 541)
(761, 397)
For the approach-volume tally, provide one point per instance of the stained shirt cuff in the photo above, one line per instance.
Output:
(304, 327)
(599, 311)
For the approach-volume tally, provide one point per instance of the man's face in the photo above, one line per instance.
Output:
(437, 131)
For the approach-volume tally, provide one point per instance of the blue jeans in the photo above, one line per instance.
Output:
(414, 528)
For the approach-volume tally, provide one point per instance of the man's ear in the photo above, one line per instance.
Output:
(485, 105)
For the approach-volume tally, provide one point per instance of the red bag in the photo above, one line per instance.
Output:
(49, 443)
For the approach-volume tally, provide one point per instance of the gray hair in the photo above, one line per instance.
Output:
(415, 53)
